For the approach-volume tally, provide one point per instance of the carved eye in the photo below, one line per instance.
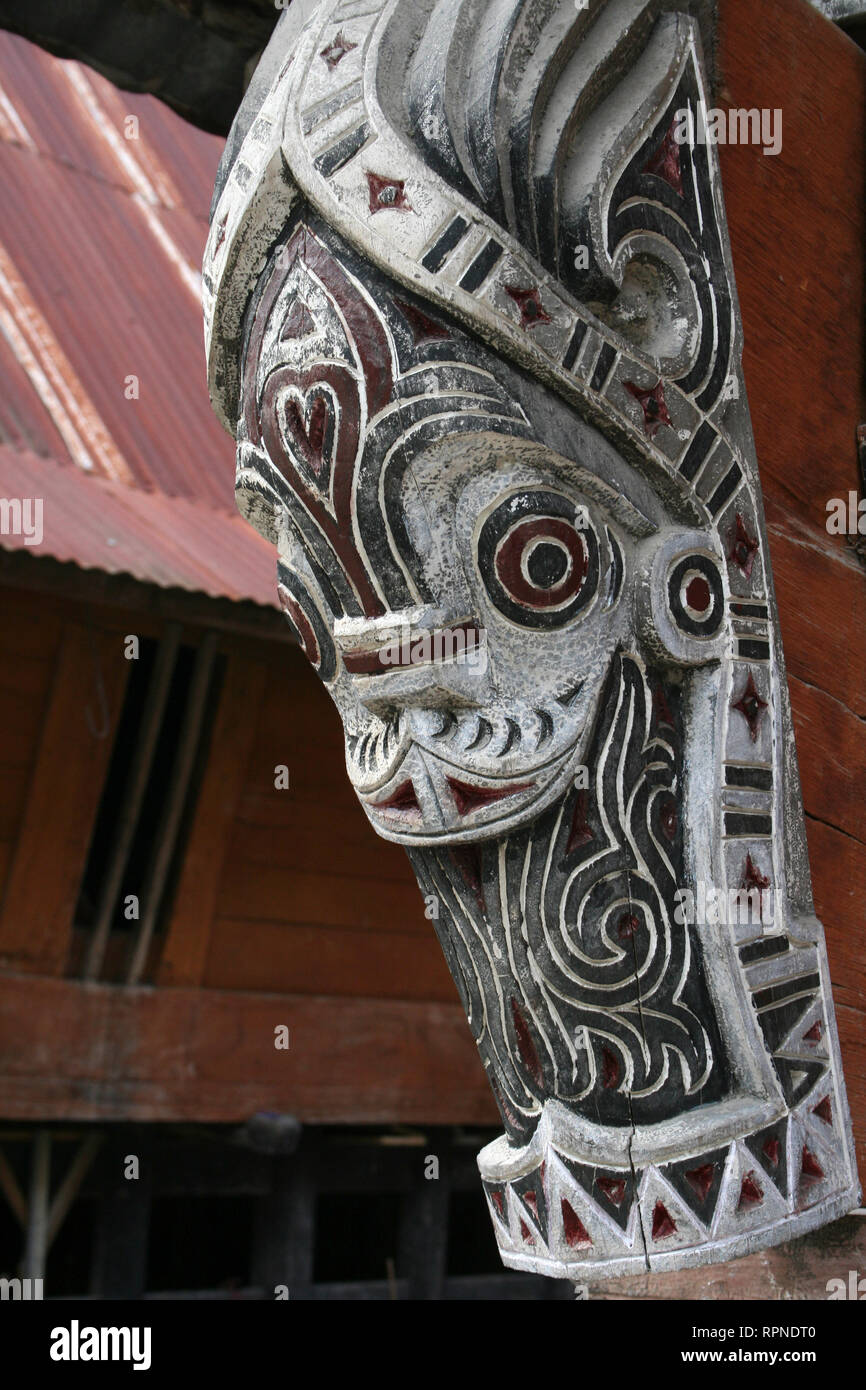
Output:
(538, 557)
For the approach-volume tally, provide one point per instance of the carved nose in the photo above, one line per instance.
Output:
(422, 657)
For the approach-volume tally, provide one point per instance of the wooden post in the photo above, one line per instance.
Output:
(119, 1263)
(36, 1246)
(284, 1235)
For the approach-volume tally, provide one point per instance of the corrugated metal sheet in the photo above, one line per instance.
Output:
(103, 219)
(109, 526)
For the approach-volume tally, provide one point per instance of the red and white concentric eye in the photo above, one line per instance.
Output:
(538, 557)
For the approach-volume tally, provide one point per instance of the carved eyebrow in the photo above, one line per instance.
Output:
(476, 445)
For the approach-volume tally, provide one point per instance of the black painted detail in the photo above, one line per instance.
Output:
(603, 366)
(481, 266)
(339, 155)
(752, 649)
(744, 823)
(756, 778)
(698, 450)
(725, 491)
(574, 346)
(768, 949)
(441, 249)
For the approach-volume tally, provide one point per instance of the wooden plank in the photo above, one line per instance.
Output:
(327, 960)
(798, 226)
(186, 945)
(64, 793)
(100, 1052)
(831, 750)
(823, 650)
(839, 887)
(276, 894)
(852, 1039)
(307, 833)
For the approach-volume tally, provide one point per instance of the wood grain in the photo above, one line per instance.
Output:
(62, 800)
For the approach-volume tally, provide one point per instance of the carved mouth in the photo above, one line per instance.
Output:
(403, 804)
(456, 641)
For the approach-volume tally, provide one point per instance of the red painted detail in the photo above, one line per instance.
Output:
(422, 651)
(751, 706)
(614, 1189)
(532, 1202)
(751, 1192)
(468, 798)
(509, 557)
(423, 327)
(653, 404)
(609, 1069)
(299, 322)
(337, 50)
(742, 547)
(528, 301)
(580, 833)
(372, 345)
(669, 818)
(575, 1231)
(815, 1033)
(307, 428)
(627, 926)
(295, 613)
(387, 195)
(754, 880)
(541, 1173)
(468, 860)
(810, 1169)
(661, 708)
(824, 1110)
(771, 1152)
(663, 1223)
(402, 800)
(528, 1237)
(698, 594)
(525, 1044)
(752, 876)
(221, 233)
(666, 163)
(700, 1180)
(496, 1199)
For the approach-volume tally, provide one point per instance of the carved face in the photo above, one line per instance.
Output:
(460, 586)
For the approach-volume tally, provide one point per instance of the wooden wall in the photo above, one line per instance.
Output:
(798, 230)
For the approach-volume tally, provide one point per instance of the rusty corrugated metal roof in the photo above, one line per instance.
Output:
(104, 525)
(103, 218)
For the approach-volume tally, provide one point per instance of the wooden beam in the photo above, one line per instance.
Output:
(133, 796)
(43, 575)
(11, 1190)
(188, 933)
(36, 1243)
(178, 792)
(71, 1184)
(94, 1052)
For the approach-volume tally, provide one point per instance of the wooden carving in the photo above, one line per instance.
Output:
(471, 317)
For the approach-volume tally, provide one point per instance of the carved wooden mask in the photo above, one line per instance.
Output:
(471, 316)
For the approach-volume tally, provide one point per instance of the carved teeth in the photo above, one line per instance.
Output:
(483, 735)
(546, 730)
(514, 737)
(449, 724)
